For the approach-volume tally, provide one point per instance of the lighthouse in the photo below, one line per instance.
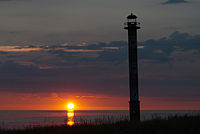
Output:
(134, 104)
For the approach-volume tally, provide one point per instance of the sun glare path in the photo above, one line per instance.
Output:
(70, 114)
(70, 123)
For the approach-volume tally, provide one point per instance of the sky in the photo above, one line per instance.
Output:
(57, 51)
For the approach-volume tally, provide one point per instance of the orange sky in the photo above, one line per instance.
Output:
(58, 101)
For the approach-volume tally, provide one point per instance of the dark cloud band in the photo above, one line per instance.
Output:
(166, 66)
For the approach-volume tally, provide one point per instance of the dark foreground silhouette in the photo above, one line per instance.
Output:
(172, 125)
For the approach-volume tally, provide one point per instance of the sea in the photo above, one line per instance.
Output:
(18, 119)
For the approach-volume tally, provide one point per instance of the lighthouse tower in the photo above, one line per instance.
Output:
(134, 104)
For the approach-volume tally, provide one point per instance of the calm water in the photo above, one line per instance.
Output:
(22, 119)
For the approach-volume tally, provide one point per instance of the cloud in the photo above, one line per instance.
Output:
(17, 49)
(161, 49)
(166, 66)
(5, 0)
(175, 1)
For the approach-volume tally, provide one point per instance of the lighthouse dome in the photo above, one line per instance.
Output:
(132, 16)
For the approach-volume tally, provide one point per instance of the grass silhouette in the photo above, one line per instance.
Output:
(187, 124)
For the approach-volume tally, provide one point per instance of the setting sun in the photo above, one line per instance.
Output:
(70, 106)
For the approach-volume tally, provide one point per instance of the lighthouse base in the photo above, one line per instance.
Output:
(134, 109)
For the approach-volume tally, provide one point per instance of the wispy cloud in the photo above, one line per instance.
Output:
(5, 0)
(175, 2)
(17, 49)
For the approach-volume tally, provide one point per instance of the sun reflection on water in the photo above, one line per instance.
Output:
(70, 118)
(70, 115)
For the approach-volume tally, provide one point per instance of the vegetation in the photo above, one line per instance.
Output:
(171, 125)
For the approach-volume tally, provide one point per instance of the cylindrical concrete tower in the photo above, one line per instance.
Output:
(134, 104)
